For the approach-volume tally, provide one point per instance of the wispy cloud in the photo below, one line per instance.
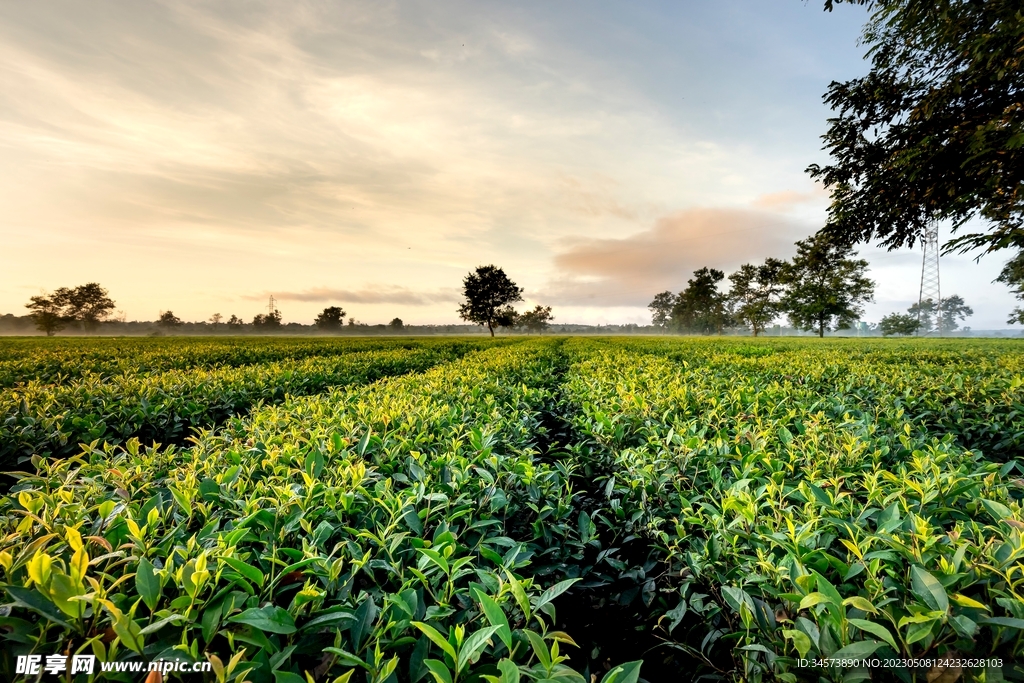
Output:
(788, 199)
(380, 294)
(629, 271)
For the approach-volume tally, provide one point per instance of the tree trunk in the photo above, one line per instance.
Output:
(821, 329)
(490, 328)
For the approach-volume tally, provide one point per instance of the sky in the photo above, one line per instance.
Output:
(200, 157)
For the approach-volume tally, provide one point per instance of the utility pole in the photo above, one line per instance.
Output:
(930, 276)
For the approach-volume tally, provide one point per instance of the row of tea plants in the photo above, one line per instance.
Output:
(384, 533)
(52, 420)
(61, 360)
(779, 521)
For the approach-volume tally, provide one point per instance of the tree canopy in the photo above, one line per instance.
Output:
(935, 130)
(661, 309)
(904, 324)
(701, 308)
(86, 304)
(489, 294)
(536, 320)
(825, 285)
(1012, 274)
(756, 293)
(331, 318)
(268, 321)
(169, 320)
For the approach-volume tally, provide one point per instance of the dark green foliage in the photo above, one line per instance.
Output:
(489, 293)
(942, 318)
(899, 324)
(935, 130)
(1012, 275)
(535, 321)
(661, 309)
(701, 308)
(86, 304)
(168, 320)
(756, 293)
(825, 285)
(267, 322)
(331, 318)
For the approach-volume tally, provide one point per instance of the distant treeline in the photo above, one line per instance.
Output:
(23, 325)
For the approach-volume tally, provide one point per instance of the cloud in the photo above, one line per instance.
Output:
(787, 199)
(629, 271)
(384, 294)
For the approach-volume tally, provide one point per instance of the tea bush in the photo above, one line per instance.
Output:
(782, 521)
(717, 508)
(37, 418)
(377, 533)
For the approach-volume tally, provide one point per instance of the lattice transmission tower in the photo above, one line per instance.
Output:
(272, 306)
(930, 288)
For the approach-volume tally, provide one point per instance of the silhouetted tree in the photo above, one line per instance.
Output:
(235, 323)
(488, 293)
(86, 304)
(661, 309)
(48, 311)
(267, 322)
(397, 325)
(168, 320)
(701, 308)
(331, 318)
(756, 293)
(536, 320)
(825, 286)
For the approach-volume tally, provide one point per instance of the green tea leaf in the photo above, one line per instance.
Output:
(624, 673)
(147, 583)
(927, 588)
(270, 619)
(246, 570)
(435, 637)
(876, 630)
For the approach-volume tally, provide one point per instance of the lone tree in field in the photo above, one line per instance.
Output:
(168, 320)
(934, 130)
(661, 309)
(904, 324)
(701, 308)
(756, 293)
(489, 295)
(48, 312)
(825, 287)
(397, 325)
(86, 304)
(537, 320)
(331, 318)
(89, 304)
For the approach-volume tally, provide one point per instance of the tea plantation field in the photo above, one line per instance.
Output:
(527, 509)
